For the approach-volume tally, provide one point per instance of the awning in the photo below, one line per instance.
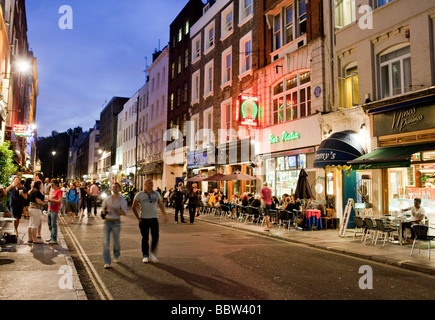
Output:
(389, 157)
(338, 149)
(155, 168)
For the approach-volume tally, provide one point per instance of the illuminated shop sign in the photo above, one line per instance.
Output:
(22, 130)
(247, 111)
(285, 137)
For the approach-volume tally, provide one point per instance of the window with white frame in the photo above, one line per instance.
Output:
(395, 72)
(226, 66)
(195, 87)
(225, 121)
(194, 127)
(209, 36)
(227, 21)
(291, 98)
(380, 3)
(344, 12)
(208, 126)
(208, 78)
(284, 28)
(246, 11)
(245, 53)
(302, 17)
(196, 48)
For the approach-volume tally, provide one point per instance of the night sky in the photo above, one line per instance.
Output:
(102, 56)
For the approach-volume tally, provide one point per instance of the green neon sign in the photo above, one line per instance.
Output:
(285, 137)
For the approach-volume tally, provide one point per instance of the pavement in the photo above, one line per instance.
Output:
(47, 272)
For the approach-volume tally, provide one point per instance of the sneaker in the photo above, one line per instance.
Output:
(52, 242)
(176, 221)
(116, 260)
(107, 266)
(153, 258)
(145, 260)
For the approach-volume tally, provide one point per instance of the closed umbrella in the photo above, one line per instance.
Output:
(238, 176)
(215, 177)
(199, 177)
(303, 190)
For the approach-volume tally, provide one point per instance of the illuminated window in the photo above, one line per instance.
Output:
(349, 88)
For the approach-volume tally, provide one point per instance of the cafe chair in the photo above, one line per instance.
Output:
(225, 211)
(360, 228)
(371, 229)
(329, 217)
(383, 230)
(285, 219)
(420, 231)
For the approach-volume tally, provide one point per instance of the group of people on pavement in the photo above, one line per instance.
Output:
(32, 200)
(78, 197)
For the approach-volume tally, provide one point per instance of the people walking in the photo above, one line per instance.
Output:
(193, 199)
(114, 207)
(178, 198)
(94, 192)
(64, 189)
(147, 201)
(36, 203)
(83, 199)
(72, 201)
(55, 200)
(18, 196)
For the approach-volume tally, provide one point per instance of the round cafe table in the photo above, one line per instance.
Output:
(314, 218)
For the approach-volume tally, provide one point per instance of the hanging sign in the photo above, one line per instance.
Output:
(22, 130)
(247, 110)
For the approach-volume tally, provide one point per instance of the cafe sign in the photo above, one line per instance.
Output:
(247, 110)
(403, 120)
(285, 137)
(22, 130)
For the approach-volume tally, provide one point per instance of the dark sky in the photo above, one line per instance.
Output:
(102, 56)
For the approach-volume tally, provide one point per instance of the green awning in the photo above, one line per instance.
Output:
(389, 157)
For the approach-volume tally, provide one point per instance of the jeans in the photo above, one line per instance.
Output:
(52, 224)
(192, 212)
(113, 227)
(145, 225)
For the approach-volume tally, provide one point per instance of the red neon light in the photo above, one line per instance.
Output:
(243, 97)
(237, 110)
(249, 122)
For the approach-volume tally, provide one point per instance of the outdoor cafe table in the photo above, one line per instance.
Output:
(314, 217)
(397, 222)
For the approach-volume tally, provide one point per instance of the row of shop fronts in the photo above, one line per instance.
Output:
(380, 154)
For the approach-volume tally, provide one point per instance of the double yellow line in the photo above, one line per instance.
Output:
(98, 283)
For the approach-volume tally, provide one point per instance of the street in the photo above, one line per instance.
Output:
(205, 261)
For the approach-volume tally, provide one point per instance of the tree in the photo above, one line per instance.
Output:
(7, 167)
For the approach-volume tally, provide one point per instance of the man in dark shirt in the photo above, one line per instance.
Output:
(18, 197)
(178, 197)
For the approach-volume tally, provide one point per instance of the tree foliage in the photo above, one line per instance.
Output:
(7, 167)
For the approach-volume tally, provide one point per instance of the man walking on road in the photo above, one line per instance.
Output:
(148, 201)
(179, 198)
(94, 192)
(114, 207)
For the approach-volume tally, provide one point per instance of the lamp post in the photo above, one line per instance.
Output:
(52, 162)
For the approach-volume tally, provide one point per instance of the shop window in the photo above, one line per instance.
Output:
(395, 72)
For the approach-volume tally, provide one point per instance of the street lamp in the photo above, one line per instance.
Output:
(52, 167)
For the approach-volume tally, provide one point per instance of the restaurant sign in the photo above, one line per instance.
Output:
(402, 120)
(22, 130)
(247, 110)
(285, 137)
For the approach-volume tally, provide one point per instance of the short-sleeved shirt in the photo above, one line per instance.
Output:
(36, 194)
(148, 204)
(17, 200)
(266, 194)
(417, 214)
(94, 191)
(55, 195)
(112, 207)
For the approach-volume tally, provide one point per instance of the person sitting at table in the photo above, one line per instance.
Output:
(282, 201)
(245, 201)
(212, 200)
(417, 215)
(256, 203)
(275, 203)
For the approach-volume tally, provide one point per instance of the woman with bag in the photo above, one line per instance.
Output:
(36, 203)
(193, 198)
